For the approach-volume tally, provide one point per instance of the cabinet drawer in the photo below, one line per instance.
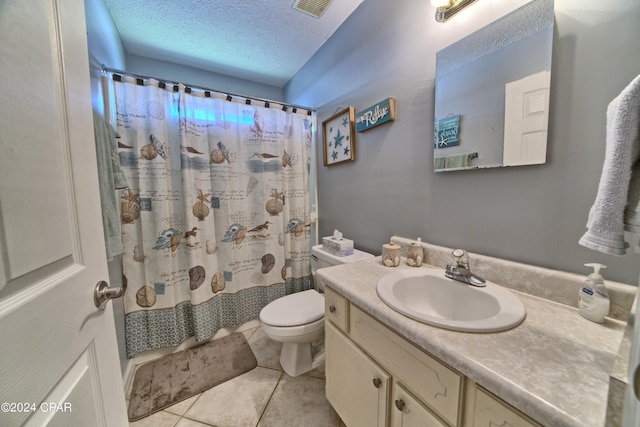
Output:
(490, 411)
(435, 384)
(336, 309)
(406, 410)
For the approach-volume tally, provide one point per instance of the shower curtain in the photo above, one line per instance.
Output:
(216, 219)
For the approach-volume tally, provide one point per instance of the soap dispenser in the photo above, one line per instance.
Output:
(593, 299)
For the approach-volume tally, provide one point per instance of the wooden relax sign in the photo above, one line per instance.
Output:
(382, 112)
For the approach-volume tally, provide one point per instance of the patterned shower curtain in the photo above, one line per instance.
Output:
(215, 222)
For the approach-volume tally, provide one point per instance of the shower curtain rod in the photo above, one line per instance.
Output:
(224, 92)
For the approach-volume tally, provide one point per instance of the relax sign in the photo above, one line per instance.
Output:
(375, 115)
(449, 131)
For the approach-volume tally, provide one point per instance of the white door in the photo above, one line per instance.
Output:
(59, 364)
(631, 414)
(526, 120)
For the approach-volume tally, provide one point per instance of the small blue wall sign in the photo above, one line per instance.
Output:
(382, 112)
(449, 131)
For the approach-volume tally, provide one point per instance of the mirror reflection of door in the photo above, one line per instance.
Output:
(526, 120)
(472, 76)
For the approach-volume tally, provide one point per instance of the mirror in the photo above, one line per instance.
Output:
(492, 93)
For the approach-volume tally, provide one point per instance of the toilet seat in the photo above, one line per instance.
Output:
(298, 309)
(301, 333)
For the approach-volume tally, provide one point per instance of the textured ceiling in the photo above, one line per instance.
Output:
(265, 41)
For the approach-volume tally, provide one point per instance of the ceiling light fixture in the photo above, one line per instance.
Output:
(445, 9)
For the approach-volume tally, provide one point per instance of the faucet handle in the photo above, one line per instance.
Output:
(461, 257)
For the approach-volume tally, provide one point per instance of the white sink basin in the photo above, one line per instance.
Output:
(426, 295)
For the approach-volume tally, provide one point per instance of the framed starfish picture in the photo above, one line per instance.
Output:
(338, 137)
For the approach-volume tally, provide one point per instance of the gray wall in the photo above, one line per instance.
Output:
(201, 78)
(530, 214)
(104, 46)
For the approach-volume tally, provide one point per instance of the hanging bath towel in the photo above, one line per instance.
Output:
(619, 188)
(454, 161)
(110, 178)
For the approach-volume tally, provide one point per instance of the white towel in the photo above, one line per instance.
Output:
(453, 161)
(619, 187)
(110, 178)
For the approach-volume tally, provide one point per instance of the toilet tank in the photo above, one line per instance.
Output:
(325, 259)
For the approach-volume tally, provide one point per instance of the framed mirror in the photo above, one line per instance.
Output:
(492, 93)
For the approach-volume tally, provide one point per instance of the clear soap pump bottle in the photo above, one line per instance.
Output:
(593, 299)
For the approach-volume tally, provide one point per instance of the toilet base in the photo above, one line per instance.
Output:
(296, 358)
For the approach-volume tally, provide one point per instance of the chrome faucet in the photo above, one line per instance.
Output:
(460, 270)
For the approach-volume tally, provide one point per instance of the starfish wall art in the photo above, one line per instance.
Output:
(338, 137)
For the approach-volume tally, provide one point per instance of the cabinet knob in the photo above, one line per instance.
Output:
(400, 404)
(332, 309)
(377, 382)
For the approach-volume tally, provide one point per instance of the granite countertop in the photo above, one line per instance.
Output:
(554, 367)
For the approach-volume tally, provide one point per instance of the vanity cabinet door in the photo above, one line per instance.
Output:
(489, 411)
(434, 383)
(407, 411)
(357, 388)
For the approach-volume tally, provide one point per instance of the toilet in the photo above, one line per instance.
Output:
(297, 320)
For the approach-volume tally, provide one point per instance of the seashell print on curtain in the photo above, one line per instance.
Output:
(215, 223)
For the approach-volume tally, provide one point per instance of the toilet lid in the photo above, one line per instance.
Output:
(294, 309)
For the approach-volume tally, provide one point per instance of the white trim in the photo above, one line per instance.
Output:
(631, 408)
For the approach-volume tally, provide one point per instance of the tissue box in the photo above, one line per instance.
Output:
(339, 247)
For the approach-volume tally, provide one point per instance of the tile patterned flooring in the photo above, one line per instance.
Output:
(262, 397)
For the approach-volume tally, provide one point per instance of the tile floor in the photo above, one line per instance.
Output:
(262, 397)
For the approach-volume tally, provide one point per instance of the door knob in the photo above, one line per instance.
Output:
(103, 293)
(377, 382)
(400, 404)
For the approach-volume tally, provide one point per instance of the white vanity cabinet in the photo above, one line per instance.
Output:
(377, 378)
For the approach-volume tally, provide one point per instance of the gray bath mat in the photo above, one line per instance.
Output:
(176, 377)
